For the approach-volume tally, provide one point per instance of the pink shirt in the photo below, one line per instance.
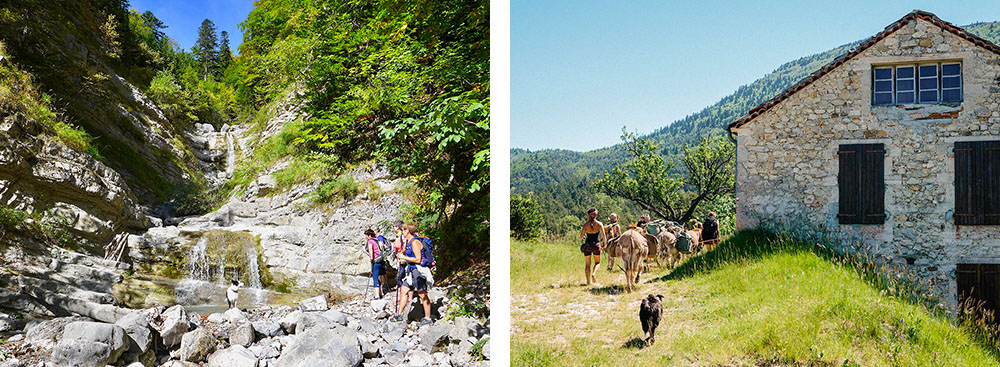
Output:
(374, 247)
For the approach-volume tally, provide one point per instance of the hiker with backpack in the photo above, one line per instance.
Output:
(416, 260)
(378, 250)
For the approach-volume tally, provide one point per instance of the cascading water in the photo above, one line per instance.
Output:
(254, 274)
(230, 155)
(191, 289)
(208, 276)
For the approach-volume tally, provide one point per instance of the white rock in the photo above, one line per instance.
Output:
(234, 356)
(317, 303)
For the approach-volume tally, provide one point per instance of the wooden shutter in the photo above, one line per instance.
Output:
(991, 178)
(862, 184)
(873, 183)
(981, 284)
(849, 184)
(977, 182)
(964, 211)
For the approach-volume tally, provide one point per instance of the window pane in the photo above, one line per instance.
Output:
(883, 73)
(883, 98)
(928, 84)
(928, 96)
(928, 70)
(951, 95)
(906, 97)
(904, 72)
(951, 82)
(883, 86)
(951, 69)
(904, 85)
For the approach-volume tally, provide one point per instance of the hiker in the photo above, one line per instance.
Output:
(710, 232)
(613, 230)
(415, 278)
(592, 244)
(643, 221)
(377, 261)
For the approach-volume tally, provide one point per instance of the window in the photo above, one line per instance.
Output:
(862, 184)
(977, 182)
(922, 83)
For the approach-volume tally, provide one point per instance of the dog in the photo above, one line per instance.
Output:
(233, 293)
(650, 314)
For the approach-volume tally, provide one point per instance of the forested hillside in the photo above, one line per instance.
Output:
(561, 179)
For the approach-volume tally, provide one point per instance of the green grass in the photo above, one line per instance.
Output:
(758, 299)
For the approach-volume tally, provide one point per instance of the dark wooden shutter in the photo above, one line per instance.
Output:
(991, 173)
(977, 182)
(980, 284)
(861, 184)
(873, 183)
(848, 181)
(964, 210)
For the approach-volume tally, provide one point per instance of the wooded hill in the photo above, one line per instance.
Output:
(561, 179)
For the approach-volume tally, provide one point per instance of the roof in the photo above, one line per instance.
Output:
(840, 60)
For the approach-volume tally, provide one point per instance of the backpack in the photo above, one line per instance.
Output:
(384, 250)
(426, 251)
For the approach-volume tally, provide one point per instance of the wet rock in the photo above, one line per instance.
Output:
(335, 346)
(234, 356)
(317, 303)
(242, 334)
(197, 345)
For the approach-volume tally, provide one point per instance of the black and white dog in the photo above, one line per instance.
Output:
(650, 314)
(233, 293)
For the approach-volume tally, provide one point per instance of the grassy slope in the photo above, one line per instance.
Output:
(756, 300)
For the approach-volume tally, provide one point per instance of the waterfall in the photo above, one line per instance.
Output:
(230, 155)
(254, 276)
(197, 261)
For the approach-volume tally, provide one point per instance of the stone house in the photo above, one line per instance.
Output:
(893, 149)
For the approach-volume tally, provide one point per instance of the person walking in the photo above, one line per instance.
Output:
(413, 281)
(710, 232)
(378, 265)
(594, 240)
(613, 230)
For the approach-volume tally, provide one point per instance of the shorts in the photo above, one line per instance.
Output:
(590, 249)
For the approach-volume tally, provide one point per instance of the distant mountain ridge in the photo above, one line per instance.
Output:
(559, 179)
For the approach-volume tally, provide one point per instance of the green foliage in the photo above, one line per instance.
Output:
(397, 82)
(526, 217)
(192, 199)
(477, 349)
(645, 179)
(206, 48)
(337, 190)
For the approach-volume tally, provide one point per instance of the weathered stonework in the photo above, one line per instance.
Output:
(787, 162)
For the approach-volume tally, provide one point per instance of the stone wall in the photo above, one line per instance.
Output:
(787, 157)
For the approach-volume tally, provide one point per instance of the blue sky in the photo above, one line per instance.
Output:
(183, 17)
(580, 70)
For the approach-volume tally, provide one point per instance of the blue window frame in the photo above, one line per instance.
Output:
(882, 93)
(922, 83)
(928, 83)
(951, 82)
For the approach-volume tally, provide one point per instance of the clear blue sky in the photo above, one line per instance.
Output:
(183, 17)
(580, 70)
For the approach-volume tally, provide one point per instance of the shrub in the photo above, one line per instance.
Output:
(340, 189)
(525, 217)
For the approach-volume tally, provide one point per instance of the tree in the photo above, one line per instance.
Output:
(225, 54)
(206, 48)
(525, 217)
(150, 20)
(644, 178)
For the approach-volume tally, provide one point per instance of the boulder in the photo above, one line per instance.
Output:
(379, 305)
(289, 321)
(336, 316)
(308, 321)
(234, 316)
(336, 346)
(317, 303)
(175, 324)
(437, 337)
(242, 334)
(137, 327)
(234, 356)
(197, 345)
(86, 343)
(267, 327)
(418, 357)
(216, 318)
(45, 334)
